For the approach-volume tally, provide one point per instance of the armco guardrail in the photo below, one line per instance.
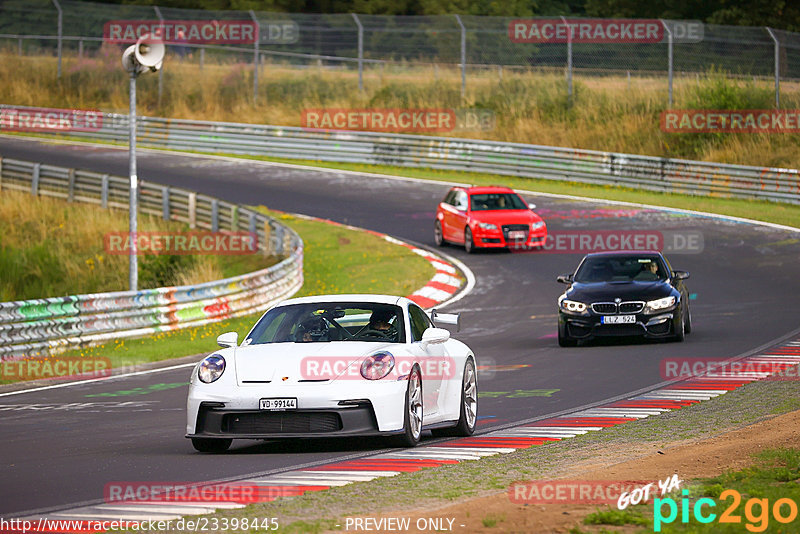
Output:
(514, 159)
(40, 326)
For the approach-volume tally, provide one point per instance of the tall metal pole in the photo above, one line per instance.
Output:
(255, 57)
(60, 33)
(777, 68)
(569, 60)
(463, 57)
(160, 71)
(669, 60)
(133, 206)
(360, 52)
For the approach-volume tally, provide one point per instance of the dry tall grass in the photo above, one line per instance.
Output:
(613, 113)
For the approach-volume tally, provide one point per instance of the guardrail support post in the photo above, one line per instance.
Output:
(267, 237)
(777, 68)
(192, 210)
(278, 240)
(1, 173)
(202, 58)
(80, 48)
(255, 58)
(60, 32)
(104, 192)
(35, 180)
(215, 215)
(234, 218)
(669, 61)
(251, 224)
(360, 52)
(463, 57)
(165, 203)
(71, 185)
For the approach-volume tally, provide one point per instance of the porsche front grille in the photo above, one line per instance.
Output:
(281, 422)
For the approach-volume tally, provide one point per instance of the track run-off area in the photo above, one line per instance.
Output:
(63, 445)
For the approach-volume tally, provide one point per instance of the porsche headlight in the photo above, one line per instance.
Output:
(661, 304)
(211, 368)
(487, 226)
(377, 366)
(537, 225)
(572, 306)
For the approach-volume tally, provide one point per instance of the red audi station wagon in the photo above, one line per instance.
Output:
(488, 217)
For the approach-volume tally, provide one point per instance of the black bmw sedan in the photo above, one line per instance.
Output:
(623, 294)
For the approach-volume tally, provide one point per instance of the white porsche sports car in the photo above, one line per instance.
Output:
(335, 365)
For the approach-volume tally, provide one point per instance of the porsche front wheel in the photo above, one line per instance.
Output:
(412, 414)
(469, 405)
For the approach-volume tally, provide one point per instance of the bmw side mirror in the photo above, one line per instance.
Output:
(565, 278)
(228, 339)
(680, 275)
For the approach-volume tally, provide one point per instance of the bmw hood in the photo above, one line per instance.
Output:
(626, 291)
(302, 363)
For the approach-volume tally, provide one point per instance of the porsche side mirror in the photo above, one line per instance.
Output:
(680, 275)
(432, 336)
(565, 278)
(228, 339)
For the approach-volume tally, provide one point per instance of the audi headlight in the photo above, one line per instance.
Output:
(487, 226)
(572, 306)
(211, 368)
(661, 304)
(377, 366)
(537, 225)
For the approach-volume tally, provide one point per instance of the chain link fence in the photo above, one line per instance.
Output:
(466, 45)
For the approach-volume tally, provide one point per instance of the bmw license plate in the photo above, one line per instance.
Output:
(618, 319)
(517, 234)
(278, 404)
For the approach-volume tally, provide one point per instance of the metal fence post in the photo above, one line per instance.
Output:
(1, 173)
(60, 33)
(669, 59)
(569, 59)
(165, 203)
(71, 185)
(104, 192)
(35, 179)
(215, 215)
(234, 217)
(202, 57)
(80, 48)
(777, 68)
(255, 58)
(463, 57)
(360, 52)
(161, 70)
(192, 210)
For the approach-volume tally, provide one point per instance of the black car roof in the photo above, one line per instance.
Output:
(624, 252)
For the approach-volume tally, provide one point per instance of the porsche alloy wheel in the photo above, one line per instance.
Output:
(438, 237)
(412, 420)
(469, 405)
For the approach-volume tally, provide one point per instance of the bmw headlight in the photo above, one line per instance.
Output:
(661, 304)
(211, 368)
(537, 225)
(377, 365)
(572, 306)
(487, 226)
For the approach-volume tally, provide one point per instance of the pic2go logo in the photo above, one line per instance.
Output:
(756, 511)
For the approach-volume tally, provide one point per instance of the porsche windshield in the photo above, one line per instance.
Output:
(328, 322)
(622, 268)
(496, 201)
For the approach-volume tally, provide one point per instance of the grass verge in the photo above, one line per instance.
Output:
(337, 260)
(316, 511)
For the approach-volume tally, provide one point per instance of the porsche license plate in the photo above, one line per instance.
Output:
(618, 319)
(517, 234)
(289, 403)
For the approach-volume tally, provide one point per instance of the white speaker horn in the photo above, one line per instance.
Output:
(129, 59)
(149, 52)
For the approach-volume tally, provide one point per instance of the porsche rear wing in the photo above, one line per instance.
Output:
(446, 318)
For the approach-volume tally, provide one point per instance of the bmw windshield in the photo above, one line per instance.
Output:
(621, 268)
